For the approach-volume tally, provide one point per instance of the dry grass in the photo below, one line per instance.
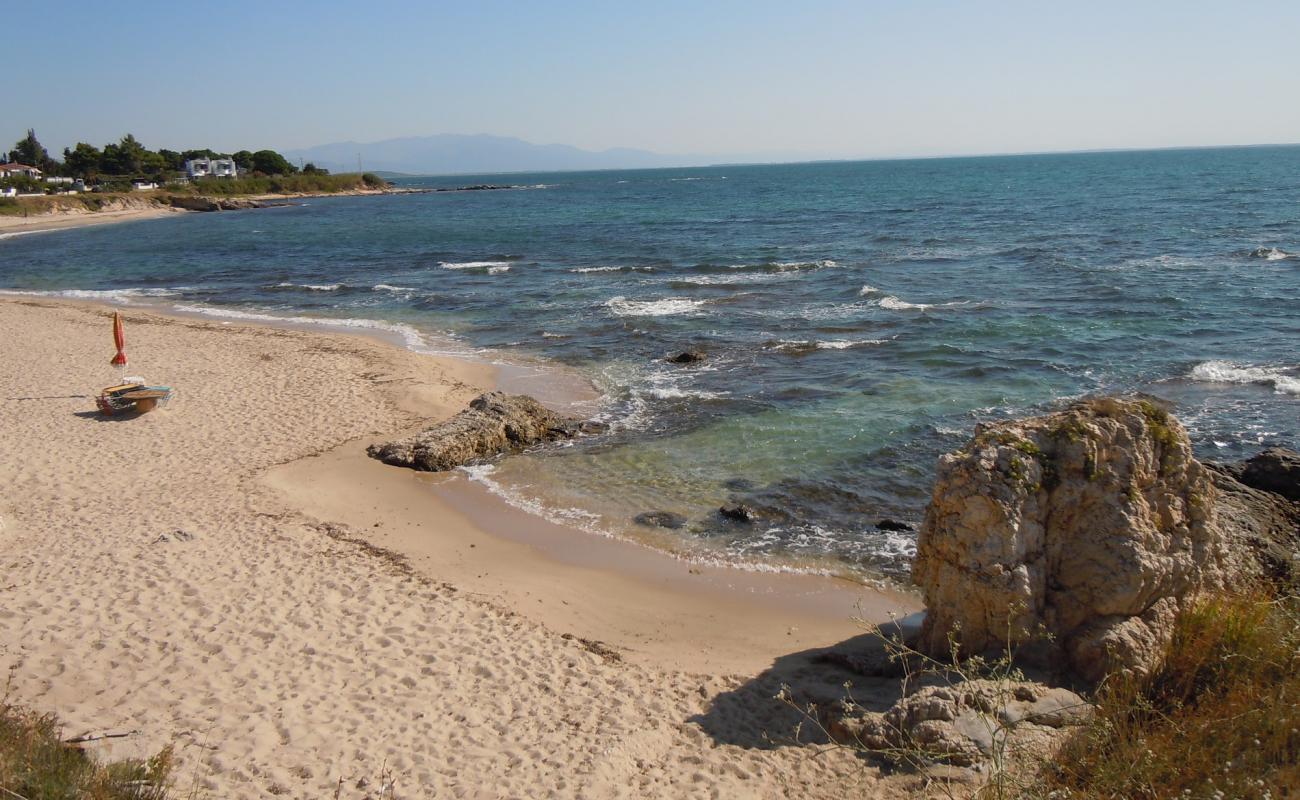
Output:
(35, 764)
(1220, 719)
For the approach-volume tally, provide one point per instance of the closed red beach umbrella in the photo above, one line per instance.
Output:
(119, 339)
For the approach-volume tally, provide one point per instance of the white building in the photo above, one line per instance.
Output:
(16, 170)
(211, 168)
(143, 186)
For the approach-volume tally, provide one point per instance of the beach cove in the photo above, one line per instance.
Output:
(232, 576)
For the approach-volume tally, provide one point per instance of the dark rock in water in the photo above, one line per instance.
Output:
(660, 519)
(478, 187)
(686, 357)
(894, 525)
(494, 423)
(739, 484)
(1274, 470)
(737, 512)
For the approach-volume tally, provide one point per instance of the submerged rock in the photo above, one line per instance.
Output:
(737, 512)
(1094, 525)
(894, 525)
(686, 357)
(494, 423)
(660, 519)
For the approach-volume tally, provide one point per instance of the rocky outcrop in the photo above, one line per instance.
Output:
(1254, 504)
(494, 423)
(960, 724)
(199, 203)
(1094, 525)
(1274, 470)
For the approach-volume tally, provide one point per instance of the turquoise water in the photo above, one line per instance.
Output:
(859, 318)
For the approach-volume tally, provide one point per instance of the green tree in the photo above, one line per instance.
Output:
(131, 156)
(243, 159)
(29, 151)
(269, 162)
(312, 169)
(82, 161)
(172, 160)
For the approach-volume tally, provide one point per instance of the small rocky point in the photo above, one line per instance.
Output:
(494, 423)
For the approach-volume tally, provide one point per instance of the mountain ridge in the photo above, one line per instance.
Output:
(456, 153)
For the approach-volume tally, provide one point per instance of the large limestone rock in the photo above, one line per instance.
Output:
(1094, 525)
(494, 423)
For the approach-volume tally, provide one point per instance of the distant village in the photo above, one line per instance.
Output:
(28, 169)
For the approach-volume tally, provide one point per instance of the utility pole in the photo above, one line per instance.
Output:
(358, 162)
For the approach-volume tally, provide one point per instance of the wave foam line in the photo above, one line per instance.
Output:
(121, 295)
(622, 307)
(473, 264)
(1227, 372)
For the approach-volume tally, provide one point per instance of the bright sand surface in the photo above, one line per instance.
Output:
(11, 225)
(233, 576)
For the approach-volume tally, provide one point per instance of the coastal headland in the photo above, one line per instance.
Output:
(44, 213)
(234, 577)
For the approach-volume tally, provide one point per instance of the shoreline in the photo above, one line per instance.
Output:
(229, 584)
(146, 206)
(512, 540)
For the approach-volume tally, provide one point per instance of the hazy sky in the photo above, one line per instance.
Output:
(822, 79)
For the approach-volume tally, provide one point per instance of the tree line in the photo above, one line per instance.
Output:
(128, 158)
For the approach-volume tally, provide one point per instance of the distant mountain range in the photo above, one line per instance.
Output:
(451, 153)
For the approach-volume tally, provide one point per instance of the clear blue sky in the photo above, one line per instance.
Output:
(821, 79)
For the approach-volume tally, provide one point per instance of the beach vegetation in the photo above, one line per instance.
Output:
(35, 762)
(1220, 716)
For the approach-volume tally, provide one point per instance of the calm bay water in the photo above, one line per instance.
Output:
(859, 318)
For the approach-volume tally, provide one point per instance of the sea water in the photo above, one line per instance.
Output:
(858, 318)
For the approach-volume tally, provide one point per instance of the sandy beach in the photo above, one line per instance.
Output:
(17, 225)
(231, 575)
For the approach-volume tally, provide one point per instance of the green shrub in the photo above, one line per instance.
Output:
(1219, 718)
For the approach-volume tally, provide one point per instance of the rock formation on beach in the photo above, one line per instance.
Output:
(961, 724)
(1094, 525)
(494, 423)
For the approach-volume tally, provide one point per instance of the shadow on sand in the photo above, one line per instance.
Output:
(753, 716)
(98, 416)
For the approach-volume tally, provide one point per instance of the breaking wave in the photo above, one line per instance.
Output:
(120, 295)
(1270, 253)
(1227, 372)
(622, 307)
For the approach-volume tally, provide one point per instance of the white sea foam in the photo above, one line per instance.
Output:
(808, 345)
(894, 304)
(311, 287)
(498, 269)
(384, 287)
(12, 234)
(844, 344)
(116, 295)
(1227, 372)
(1270, 253)
(488, 265)
(584, 270)
(678, 393)
(789, 266)
(412, 338)
(869, 289)
(622, 307)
